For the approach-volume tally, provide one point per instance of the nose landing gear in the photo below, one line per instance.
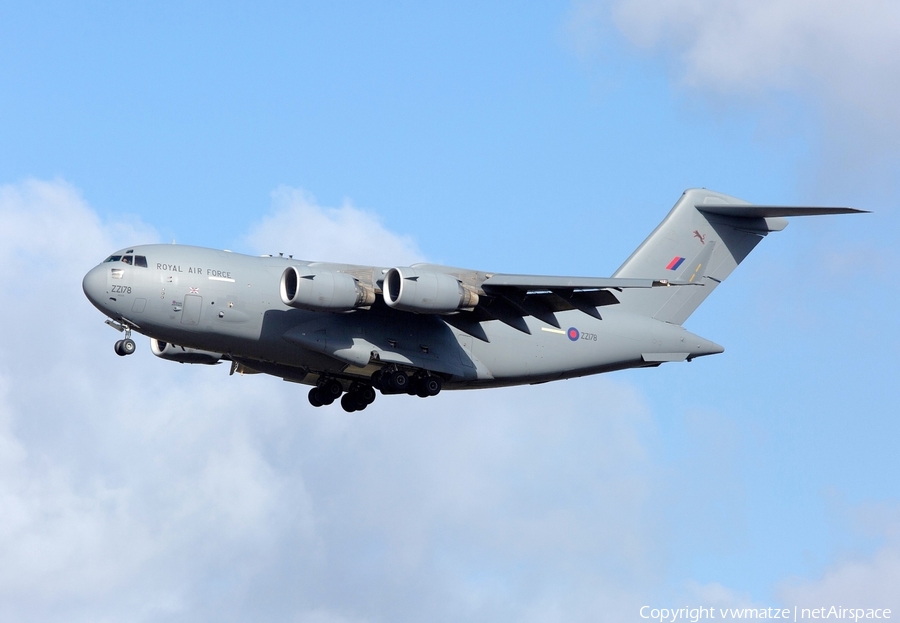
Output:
(127, 345)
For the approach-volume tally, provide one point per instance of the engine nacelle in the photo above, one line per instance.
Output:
(171, 352)
(424, 292)
(325, 290)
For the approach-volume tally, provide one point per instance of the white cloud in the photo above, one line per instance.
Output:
(301, 227)
(137, 489)
(857, 581)
(846, 49)
(840, 58)
(870, 583)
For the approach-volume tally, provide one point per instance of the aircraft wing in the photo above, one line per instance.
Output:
(538, 282)
(509, 298)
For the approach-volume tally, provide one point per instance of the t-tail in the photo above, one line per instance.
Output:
(702, 240)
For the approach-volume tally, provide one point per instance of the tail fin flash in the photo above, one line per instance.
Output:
(702, 240)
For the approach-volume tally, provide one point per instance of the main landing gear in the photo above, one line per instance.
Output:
(389, 380)
(358, 398)
(328, 390)
(325, 392)
(396, 381)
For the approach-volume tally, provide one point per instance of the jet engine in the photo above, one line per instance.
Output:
(171, 352)
(423, 292)
(323, 290)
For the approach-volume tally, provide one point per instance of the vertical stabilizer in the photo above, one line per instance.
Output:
(702, 240)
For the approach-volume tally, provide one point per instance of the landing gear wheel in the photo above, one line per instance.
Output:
(314, 397)
(359, 396)
(431, 385)
(330, 390)
(398, 381)
(424, 386)
(366, 395)
(349, 403)
(324, 399)
(378, 378)
(118, 348)
(128, 346)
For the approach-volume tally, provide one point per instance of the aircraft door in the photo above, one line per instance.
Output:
(193, 305)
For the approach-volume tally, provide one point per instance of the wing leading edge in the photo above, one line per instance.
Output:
(537, 282)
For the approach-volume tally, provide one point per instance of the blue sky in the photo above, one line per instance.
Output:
(545, 139)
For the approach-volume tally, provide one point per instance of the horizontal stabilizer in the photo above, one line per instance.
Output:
(755, 211)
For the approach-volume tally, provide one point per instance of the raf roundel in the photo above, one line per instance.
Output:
(573, 334)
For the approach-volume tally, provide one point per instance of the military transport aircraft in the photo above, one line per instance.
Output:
(350, 330)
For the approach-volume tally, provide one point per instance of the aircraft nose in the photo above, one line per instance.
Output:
(94, 284)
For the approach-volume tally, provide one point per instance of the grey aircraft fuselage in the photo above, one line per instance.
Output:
(349, 328)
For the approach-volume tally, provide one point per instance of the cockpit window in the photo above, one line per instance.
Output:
(140, 260)
(126, 259)
(114, 258)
